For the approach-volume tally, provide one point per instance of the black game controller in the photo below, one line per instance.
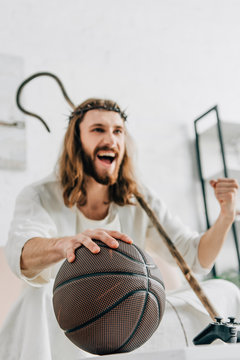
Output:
(228, 332)
(232, 321)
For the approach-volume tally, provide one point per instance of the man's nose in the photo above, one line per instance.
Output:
(109, 139)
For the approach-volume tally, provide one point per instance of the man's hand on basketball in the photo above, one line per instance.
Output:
(69, 244)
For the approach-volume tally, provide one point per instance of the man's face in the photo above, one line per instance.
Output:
(102, 136)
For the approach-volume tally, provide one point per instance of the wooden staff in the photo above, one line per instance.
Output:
(179, 259)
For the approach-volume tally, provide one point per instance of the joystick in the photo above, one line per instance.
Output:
(225, 331)
(232, 320)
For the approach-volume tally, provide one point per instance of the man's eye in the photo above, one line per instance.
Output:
(118, 131)
(98, 130)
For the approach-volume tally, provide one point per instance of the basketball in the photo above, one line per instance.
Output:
(110, 302)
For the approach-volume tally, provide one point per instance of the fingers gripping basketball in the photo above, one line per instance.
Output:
(109, 302)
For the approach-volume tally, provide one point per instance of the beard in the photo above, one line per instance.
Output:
(89, 169)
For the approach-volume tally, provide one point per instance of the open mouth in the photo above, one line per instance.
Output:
(106, 157)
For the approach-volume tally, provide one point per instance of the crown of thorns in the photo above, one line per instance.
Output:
(92, 106)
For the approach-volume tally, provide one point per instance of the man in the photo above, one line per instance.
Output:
(91, 196)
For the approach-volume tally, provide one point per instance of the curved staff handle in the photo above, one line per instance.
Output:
(30, 78)
(179, 259)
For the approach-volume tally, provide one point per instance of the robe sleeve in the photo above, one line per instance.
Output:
(30, 220)
(185, 240)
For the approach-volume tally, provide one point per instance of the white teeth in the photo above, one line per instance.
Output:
(104, 153)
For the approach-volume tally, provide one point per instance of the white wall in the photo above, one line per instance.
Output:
(165, 61)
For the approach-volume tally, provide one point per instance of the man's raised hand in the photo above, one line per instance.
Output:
(226, 193)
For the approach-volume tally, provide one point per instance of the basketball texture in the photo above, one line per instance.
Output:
(109, 302)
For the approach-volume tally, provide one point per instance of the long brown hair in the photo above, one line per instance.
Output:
(71, 171)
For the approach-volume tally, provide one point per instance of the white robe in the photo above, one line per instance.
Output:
(31, 330)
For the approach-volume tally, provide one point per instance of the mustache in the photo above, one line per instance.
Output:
(106, 148)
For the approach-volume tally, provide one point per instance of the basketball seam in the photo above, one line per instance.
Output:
(144, 259)
(127, 256)
(144, 306)
(104, 274)
(122, 253)
(108, 310)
